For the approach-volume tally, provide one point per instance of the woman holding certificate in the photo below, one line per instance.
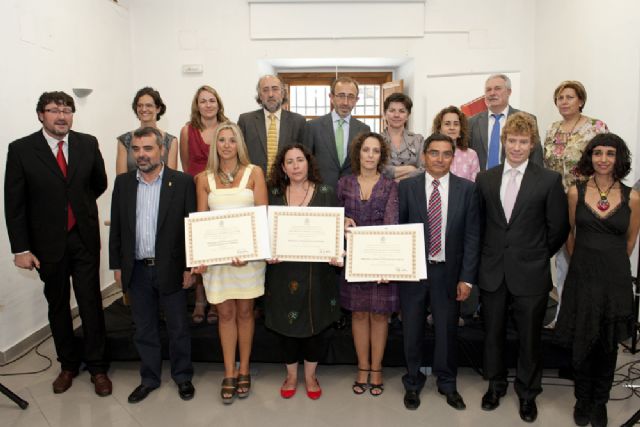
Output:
(369, 198)
(301, 298)
(230, 181)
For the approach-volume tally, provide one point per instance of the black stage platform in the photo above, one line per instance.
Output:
(206, 345)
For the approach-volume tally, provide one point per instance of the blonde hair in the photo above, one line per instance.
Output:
(243, 156)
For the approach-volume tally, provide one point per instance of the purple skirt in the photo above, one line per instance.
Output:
(370, 297)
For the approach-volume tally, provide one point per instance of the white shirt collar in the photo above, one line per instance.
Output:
(444, 180)
(53, 142)
(521, 168)
(504, 112)
(159, 177)
(335, 117)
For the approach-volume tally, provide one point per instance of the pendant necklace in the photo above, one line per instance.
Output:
(227, 178)
(603, 203)
(303, 199)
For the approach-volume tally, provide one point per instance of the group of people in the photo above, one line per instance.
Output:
(496, 205)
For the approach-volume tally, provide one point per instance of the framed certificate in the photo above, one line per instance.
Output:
(217, 237)
(387, 252)
(309, 234)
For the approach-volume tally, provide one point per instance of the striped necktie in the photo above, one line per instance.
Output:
(434, 216)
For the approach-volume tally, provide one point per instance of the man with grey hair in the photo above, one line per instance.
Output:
(485, 128)
(270, 128)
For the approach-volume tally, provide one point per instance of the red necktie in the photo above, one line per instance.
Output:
(434, 216)
(62, 162)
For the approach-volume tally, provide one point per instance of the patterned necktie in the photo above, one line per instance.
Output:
(272, 141)
(510, 193)
(494, 143)
(340, 141)
(434, 215)
(62, 162)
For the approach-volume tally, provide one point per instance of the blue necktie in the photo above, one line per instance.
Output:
(494, 143)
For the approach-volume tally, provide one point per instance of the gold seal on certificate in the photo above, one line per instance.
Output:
(388, 252)
(217, 237)
(311, 234)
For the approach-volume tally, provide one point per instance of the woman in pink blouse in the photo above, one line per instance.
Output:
(452, 122)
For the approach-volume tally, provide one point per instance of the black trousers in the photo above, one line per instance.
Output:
(311, 348)
(594, 376)
(528, 314)
(80, 269)
(146, 301)
(414, 299)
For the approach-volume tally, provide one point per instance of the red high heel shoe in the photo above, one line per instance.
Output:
(287, 394)
(314, 395)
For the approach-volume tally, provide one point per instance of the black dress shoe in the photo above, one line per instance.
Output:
(599, 415)
(140, 393)
(491, 399)
(454, 400)
(411, 399)
(186, 390)
(581, 413)
(528, 410)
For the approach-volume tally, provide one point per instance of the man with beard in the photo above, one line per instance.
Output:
(329, 137)
(270, 128)
(146, 252)
(52, 180)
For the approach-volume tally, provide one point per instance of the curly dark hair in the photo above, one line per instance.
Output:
(155, 95)
(278, 179)
(622, 166)
(356, 146)
(57, 97)
(463, 140)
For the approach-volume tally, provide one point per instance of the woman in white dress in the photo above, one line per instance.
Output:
(230, 181)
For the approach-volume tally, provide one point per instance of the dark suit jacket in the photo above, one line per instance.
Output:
(478, 134)
(321, 141)
(177, 200)
(254, 130)
(462, 236)
(518, 252)
(36, 195)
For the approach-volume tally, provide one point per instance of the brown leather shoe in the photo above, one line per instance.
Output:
(102, 384)
(64, 381)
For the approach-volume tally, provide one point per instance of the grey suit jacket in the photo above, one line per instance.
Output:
(462, 235)
(478, 134)
(253, 127)
(517, 252)
(321, 142)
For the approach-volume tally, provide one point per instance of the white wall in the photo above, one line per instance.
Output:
(57, 46)
(118, 49)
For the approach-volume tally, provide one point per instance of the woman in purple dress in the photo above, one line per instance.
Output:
(369, 198)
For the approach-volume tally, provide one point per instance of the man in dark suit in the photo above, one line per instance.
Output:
(146, 252)
(270, 128)
(448, 208)
(485, 128)
(329, 137)
(53, 178)
(524, 221)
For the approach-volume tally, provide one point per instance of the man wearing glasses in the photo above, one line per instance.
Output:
(53, 178)
(448, 208)
(329, 137)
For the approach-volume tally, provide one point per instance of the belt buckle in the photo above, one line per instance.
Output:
(150, 262)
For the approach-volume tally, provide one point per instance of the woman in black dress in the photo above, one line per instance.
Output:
(597, 312)
(301, 298)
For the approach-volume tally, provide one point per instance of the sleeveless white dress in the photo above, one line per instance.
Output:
(223, 282)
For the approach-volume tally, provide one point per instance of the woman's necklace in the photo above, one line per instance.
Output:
(562, 137)
(364, 182)
(603, 203)
(227, 178)
(306, 193)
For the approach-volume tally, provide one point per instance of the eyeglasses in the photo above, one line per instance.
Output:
(342, 96)
(56, 111)
(434, 154)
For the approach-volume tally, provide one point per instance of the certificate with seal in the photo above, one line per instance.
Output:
(309, 234)
(217, 237)
(388, 252)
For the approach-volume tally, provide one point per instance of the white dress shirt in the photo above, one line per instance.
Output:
(505, 177)
(53, 144)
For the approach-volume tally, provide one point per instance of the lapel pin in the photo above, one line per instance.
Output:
(170, 183)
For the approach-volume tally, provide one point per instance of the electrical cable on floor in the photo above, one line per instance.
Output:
(37, 349)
